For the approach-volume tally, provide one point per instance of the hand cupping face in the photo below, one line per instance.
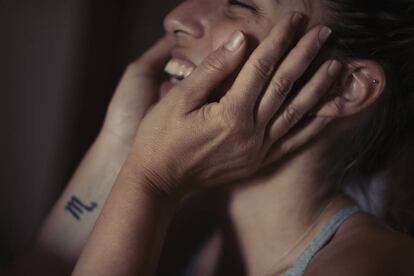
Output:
(185, 143)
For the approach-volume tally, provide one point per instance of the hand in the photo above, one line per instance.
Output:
(137, 91)
(185, 143)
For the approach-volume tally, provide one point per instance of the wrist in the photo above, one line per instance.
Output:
(121, 138)
(152, 183)
(115, 143)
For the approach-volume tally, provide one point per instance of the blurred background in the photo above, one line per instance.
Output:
(60, 62)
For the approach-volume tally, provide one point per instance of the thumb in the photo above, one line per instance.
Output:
(196, 88)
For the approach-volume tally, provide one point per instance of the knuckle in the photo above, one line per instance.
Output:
(264, 67)
(207, 113)
(231, 117)
(291, 116)
(228, 122)
(229, 112)
(216, 62)
(281, 86)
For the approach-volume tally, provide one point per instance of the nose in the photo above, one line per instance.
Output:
(185, 20)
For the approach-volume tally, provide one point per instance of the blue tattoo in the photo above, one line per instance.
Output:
(76, 207)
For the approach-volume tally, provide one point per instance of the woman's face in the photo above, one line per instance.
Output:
(201, 26)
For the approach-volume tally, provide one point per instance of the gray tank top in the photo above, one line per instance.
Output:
(302, 262)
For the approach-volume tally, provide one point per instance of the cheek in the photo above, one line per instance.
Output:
(221, 34)
(255, 31)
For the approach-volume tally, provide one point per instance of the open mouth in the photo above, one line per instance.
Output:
(178, 69)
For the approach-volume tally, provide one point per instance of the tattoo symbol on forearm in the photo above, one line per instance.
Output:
(76, 207)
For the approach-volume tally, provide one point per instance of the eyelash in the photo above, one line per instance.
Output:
(241, 4)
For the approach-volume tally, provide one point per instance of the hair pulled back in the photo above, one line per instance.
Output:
(382, 31)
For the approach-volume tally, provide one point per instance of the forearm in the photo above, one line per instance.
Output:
(67, 228)
(74, 215)
(128, 237)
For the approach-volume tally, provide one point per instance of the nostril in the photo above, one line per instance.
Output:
(183, 22)
(186, 26)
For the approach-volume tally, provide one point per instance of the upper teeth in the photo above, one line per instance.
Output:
(178, 69)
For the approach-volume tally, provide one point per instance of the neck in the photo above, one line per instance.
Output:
(273, 211)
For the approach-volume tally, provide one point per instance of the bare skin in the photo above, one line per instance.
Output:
(283, 192)
(278, 202)
(236, 140)
(290, 187)
(62, 237)
(346, 254)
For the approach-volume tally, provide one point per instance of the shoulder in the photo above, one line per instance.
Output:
(364, 246)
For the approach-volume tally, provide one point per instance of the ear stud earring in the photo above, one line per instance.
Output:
(375, 82)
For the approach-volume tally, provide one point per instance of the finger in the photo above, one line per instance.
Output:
(152, 62)
(291, 69)
(260, 65)
(197, 87)
(307, 98)
(294, 141)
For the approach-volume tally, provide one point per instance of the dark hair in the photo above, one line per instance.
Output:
(382, 31)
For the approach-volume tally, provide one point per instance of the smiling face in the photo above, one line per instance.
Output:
(201, 26)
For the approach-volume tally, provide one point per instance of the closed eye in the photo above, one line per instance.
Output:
(241, 4)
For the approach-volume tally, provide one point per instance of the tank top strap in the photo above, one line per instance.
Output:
(302, 262)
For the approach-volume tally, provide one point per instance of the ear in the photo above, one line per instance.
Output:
(361, 84)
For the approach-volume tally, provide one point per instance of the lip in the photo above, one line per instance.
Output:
(167, 85)
(175, 54)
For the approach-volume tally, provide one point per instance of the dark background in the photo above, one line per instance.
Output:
(59, 64)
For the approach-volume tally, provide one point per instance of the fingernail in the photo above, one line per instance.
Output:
(334, 68)
(324, 34)
(296, 18)
(235, 42)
